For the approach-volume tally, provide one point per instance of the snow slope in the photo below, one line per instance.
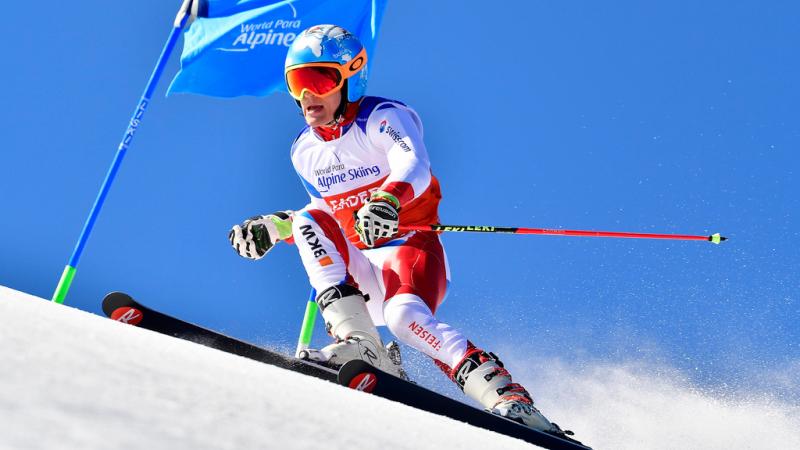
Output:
(73, 380)
(70, 379)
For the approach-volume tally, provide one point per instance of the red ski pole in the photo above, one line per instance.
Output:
(714, 238)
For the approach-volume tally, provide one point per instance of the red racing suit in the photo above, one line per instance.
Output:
(379, 147)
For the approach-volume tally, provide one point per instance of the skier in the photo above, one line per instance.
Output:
(365, 167)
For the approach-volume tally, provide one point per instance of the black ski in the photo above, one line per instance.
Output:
(361, 376)
(121, 307)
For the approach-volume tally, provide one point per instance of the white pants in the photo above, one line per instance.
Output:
(406, 280)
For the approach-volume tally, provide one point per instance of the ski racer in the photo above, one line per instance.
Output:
(364, 164)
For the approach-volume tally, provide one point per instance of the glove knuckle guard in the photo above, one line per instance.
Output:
(375, 220)
(258, 234)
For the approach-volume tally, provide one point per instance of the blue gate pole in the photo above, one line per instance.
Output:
(68, 275)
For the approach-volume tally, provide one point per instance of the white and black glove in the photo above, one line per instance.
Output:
(377, 219)
(257, 235)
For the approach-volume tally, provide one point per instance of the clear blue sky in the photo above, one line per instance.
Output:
(671, 116)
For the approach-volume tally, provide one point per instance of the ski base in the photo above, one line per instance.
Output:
(123, 308)
(361, 376)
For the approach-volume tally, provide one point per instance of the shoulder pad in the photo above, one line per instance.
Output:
(371, 104)
(305, 128)
(299, 135)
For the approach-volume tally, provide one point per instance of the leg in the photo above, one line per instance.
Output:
(415, 279)
(335, 268)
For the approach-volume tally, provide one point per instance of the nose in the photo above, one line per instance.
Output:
(308, 95)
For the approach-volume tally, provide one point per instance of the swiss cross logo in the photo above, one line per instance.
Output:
(364, 381)
(126, 314)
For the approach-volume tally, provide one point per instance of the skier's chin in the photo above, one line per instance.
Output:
(317, 116)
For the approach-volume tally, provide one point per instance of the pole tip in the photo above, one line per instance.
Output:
(716, 238)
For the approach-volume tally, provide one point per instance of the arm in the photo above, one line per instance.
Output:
(258, 235)
(397, 131)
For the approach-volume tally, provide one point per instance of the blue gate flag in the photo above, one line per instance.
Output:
(238, 47)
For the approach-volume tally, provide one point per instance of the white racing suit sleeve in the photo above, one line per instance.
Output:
(397, 130)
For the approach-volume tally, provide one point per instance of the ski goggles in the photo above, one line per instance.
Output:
(322, 79)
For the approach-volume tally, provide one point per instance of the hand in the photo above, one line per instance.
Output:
(257, 235)
(379, 218)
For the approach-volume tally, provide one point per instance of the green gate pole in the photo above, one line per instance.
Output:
(307, 329)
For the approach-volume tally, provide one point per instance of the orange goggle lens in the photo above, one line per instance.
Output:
(320, 81)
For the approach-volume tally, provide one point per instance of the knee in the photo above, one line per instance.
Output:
(393, 316)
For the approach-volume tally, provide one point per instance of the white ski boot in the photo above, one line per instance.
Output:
(482, 377)
(347, 320)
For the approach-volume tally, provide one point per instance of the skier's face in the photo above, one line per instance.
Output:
(319, 111)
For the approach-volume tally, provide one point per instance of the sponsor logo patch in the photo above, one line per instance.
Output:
(352, 201)
(327, 177)
(394, 134)
(426, 336)
(364, 381)
(467, 228)
(466, 367)
(313, 241)
(368, 352)
(126, 314)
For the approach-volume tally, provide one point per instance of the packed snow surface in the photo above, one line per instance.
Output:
(73, 380)
(70, 379)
